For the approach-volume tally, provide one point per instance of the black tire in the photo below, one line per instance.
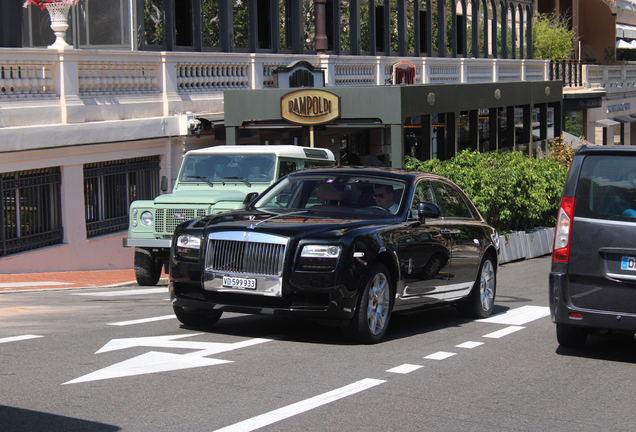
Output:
(481, 300)
(196, 318)
(373, 312)
(570, 336)
(147, 268)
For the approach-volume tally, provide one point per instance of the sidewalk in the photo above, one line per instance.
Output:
(12, 282)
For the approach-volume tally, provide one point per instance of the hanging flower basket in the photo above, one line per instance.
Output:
(42, 3)
(58, 11)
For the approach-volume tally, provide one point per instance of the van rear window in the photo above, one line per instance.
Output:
(607, 188)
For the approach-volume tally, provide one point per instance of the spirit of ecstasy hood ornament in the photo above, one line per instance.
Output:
(254, 225)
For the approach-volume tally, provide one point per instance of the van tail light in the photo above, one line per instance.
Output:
(563, 231)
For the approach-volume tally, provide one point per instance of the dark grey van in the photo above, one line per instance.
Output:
(593, 276)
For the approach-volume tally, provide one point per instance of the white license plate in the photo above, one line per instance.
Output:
(239, 283)
(628, 263)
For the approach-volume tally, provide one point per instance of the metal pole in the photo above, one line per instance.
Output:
(321, 28)
(311, 136)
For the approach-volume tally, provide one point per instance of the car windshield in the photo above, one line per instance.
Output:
(222, 167)
(349, 194)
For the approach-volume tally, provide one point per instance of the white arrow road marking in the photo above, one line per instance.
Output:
(154, 361)
(151, 362)
(519, 316)
(18, 338)
(302, 406)
(206, 348)
(155, 342)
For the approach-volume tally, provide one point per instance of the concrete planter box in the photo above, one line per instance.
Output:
(525, 245)
(512, 247)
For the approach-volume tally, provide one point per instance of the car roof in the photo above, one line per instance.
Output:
(401, 173)
(607, 149)
(279, 150)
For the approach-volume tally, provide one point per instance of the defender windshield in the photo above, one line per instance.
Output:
(223, 167)
(359, 194)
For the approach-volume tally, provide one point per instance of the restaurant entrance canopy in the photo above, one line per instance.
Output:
(394, 106)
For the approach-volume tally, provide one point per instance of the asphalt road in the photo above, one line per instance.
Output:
(115, 359)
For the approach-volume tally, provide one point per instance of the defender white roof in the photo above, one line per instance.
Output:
(290, 151)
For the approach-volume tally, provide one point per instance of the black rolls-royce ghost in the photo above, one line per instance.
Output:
(346, 246)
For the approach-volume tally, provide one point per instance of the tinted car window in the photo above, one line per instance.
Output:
(451, 202)
(285, 168)
(329, 192)
(607, 188)
(423, 193)
(206, 167)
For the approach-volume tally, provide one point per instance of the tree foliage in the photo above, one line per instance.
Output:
(553, 40)
(562, 151)
(511, 191)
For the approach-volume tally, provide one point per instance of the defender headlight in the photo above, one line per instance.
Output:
(320, 251)
(188, 241)
(146, 218)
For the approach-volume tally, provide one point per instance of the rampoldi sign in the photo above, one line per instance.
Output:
(310, 107)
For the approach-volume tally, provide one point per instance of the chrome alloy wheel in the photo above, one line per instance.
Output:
(378, 304)
(487, 285)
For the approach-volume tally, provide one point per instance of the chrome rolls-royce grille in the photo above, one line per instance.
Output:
(255, 254)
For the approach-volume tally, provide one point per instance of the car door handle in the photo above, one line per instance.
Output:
(450, 232)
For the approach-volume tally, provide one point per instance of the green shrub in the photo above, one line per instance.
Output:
(511, 190)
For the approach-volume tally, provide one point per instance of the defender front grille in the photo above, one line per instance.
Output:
(166, 223)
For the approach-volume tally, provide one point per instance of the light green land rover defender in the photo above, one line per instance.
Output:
(211, 180)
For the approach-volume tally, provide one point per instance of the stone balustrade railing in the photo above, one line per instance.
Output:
(76, 86)
(22, 78)
(613, 78)
(104, 77)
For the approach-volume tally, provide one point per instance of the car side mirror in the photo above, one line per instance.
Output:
(249, 198)
(164, 184)
(427, 210)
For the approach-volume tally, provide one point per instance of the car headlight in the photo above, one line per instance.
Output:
(146, 218)
(320, 251)
(188, 241)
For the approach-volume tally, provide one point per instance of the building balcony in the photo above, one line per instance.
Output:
(146, 92)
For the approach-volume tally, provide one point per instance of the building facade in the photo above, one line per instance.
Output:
(89, 128)
(599, 94)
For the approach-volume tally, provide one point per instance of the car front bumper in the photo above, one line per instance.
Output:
(147, 243)
(320, 303)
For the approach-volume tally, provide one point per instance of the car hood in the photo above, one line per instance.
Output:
(292, 224)
(209, 196)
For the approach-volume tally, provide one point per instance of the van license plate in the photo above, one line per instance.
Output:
(239, 283)
(628, 263)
